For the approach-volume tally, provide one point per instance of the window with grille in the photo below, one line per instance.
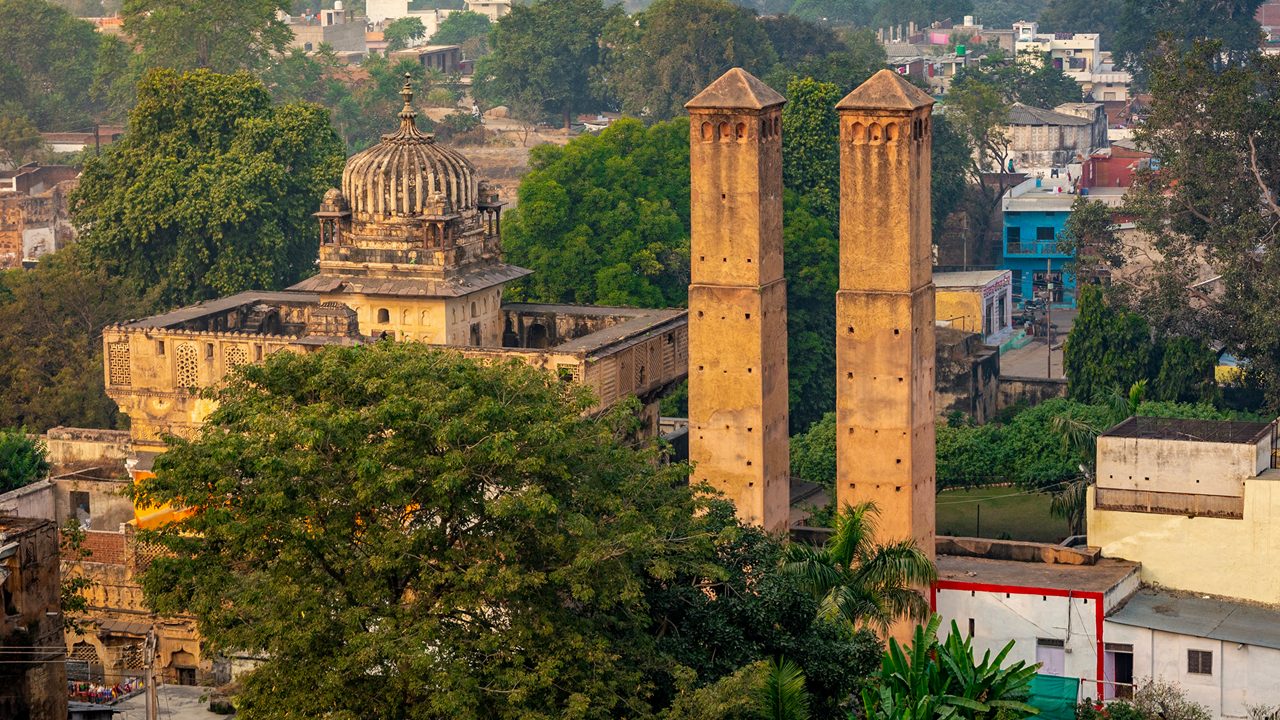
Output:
(118, 362)
(1200, 662)
(236, 356)
(188, 366)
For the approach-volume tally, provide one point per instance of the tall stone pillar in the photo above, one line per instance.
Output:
(884, 309)
(737, 298)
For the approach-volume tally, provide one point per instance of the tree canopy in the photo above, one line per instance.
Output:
(605, 219)
(1146, 29)
(460, 27)
(51, 320)
(1210, 209)
(224, 36)
(543, 58)
(401, 32)
(211, 191)
(662, 57)
(22, 460)
(404, 533)
(55, 70)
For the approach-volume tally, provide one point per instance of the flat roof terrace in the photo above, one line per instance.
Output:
(1217, 431)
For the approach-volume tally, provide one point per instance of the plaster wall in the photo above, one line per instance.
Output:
(961, 308)
(1180, 466)
(1187, 553)
(86, 446)
(1243, 675)
(999, 617)
(30, 501)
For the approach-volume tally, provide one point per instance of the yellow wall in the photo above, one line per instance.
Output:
(962, 307)
(438, 321)
(1191, 553)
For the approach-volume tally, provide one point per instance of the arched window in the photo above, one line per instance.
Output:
(384, 315)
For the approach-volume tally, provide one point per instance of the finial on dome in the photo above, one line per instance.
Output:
(406, 113)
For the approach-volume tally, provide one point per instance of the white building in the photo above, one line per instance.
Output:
(382, 10)
(1078, 55)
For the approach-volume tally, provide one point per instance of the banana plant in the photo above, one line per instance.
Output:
(930, 680)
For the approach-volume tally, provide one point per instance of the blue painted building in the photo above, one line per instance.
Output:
(1035, 213)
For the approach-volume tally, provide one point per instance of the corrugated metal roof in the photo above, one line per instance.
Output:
(1210, 618)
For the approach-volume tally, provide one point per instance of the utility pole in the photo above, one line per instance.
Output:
(149, 676)
(97, 144)
(1048, 317)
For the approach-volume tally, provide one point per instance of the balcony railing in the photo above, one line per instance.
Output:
(1040, 248)
(1169, 503)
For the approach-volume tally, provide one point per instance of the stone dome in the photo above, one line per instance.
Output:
(407, 174)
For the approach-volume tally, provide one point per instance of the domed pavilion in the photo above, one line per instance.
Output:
(409, 251)
(411, 242)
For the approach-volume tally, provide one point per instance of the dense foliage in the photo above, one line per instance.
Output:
(57, 72)
(931, 679)
(224, 37)
(22, 459)
(1211, 207)
(605, 219)
(402, 32)
(543, 58)
(860, 582)
(1110, 348)
(1147, 29)
(664, 56)
(447, 537)
(360, 111)
(211, 191)
(51, 320)
(1025, 446)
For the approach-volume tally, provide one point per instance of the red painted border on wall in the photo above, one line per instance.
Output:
(1026, 590)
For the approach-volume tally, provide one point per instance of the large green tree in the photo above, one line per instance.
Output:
(1108, 349)
(57, 70)
(1149, 28)
(751, 612)
(605, 219)
(223, 36)
(211, 191)
(543, 58)
(401, 32)
(1082, 16)
(1004, 13)
(461, 27)
(1211, 208)
(403, 533)
(664, 56)
(51, 321)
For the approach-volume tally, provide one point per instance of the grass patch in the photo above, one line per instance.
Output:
(1006, 512)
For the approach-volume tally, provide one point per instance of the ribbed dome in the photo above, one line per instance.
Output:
(401, 175)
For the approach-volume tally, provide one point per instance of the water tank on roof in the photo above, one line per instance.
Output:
(337, 6)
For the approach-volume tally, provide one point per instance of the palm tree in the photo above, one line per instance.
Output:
(783, 696)
(1081, 436)
(859, 581)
